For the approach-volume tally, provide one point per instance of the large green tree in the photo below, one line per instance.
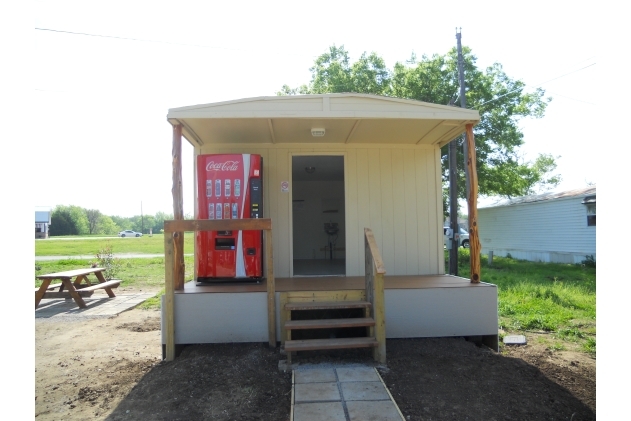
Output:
(501, 101)
(69, 220)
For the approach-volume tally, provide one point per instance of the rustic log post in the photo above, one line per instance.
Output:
(472, 200)
(178, 208)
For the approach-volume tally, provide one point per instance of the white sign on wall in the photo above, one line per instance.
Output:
(284, 186)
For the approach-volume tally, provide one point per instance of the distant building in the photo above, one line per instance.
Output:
(42, 222)
(550, 227)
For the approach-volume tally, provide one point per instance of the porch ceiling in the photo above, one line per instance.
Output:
(346, 118)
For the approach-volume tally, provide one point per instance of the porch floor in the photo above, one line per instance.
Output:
(334, 283)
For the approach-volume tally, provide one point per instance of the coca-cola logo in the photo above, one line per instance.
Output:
(223, 166)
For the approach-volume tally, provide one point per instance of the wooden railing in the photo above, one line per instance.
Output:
(174, 267)
(375, 273)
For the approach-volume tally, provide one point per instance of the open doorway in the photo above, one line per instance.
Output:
(319, 240)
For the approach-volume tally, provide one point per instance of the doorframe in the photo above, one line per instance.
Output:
(291, 200)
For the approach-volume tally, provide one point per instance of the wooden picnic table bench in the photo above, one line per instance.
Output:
(74, 284)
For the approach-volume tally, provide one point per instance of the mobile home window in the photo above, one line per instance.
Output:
(591, 215)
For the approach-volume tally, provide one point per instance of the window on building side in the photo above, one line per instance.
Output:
(591, 215)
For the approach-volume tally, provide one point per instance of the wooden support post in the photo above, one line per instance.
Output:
(379, 353)
(375, 283)
(271, 289)
(285, 316)
(178, 207)
(169, 297)
(472, 200)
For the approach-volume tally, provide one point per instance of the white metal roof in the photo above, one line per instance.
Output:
(583, 192)
(42, 217)
(346, 118)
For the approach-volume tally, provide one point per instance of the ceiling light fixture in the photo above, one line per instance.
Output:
(317, 132)
(310, 170)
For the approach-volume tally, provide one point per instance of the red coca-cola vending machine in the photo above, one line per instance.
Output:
(229, 186)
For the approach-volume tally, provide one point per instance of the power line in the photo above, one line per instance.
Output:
(573, 99)
(157, 41)
(535, 86)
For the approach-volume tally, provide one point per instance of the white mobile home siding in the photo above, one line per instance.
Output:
(394, 190)
(549, 231)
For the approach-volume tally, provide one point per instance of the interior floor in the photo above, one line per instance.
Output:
(319, 267)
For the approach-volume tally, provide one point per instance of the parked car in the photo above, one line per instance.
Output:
(464, 237)
(129, 233)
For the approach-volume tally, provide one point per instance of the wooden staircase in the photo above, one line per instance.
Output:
(320, 308)
(346, 312)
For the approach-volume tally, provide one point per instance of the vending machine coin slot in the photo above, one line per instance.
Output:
(256, 198)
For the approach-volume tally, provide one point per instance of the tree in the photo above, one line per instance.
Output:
(122, 222)
(61, 223)
(69, 220)
(501, 101)
(107, 226)
(93, 216)
(160, 217)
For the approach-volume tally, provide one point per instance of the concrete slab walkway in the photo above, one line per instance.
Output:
(342, 393)
(99, 305)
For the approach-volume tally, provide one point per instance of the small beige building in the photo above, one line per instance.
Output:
(358, 161)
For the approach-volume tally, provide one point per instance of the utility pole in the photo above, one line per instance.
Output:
(142, 219)
(463, 104)
(453, 207)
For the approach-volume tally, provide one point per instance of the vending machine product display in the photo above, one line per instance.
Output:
(230, 186)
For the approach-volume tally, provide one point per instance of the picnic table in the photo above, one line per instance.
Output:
(74, 284)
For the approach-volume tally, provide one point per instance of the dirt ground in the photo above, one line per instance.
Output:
(111, 369)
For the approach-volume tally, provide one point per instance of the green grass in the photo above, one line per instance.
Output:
(543, 297)
(556, 299)
(65, 246)
(138, 273)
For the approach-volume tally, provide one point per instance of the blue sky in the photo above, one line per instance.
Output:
(108, 97)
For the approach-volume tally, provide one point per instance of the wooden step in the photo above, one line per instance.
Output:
(337, 343)
(329, 323)
(326, 305)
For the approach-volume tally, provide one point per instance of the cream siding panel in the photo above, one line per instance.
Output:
(374, 192)
(435, 213)
(398, 212)
(438, 199)
(411, 215)
(282, 217)
(387, 210)
(363, 204)
(353, 265)
(423, 212)
(270, 204)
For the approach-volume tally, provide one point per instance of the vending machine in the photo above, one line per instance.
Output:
(229, 187)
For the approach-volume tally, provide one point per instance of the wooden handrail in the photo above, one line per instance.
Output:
(375, 272)
(374, 251)
(174, 278)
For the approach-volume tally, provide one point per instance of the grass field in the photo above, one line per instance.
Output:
(74, 246)
(558, 301)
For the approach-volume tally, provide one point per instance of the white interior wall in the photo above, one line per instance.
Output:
(310, 201)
